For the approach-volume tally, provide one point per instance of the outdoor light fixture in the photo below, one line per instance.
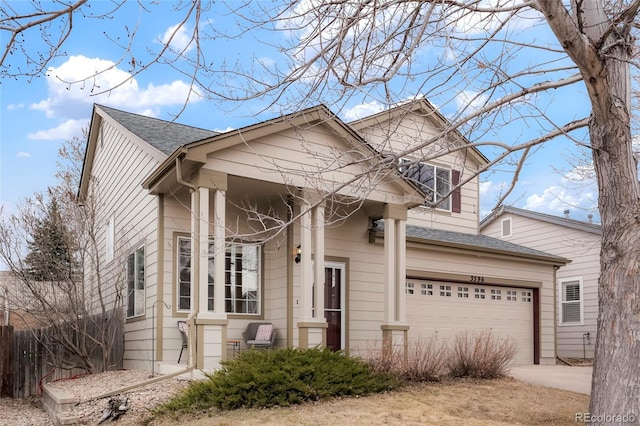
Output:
(298, 252)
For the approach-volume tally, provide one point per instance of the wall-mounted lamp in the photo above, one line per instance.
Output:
(298, 252)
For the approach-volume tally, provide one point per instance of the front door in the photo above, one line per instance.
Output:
(334, 281)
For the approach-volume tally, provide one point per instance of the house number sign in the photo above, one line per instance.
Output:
(476, 279)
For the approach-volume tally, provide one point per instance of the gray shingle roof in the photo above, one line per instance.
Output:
(164, 135)
(473, 242)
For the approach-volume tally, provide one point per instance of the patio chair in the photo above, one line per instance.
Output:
(260, 335)
(182, 327)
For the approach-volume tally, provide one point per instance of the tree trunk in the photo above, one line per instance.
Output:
(615, 388)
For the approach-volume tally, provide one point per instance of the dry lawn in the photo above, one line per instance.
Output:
(461, 402)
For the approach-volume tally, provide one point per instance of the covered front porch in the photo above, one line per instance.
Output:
(277, 241)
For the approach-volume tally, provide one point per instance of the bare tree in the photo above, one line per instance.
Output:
(493, 66)
(79, 307)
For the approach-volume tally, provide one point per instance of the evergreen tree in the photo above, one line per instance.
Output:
(50, 257)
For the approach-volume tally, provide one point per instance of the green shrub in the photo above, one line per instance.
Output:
(480, 355)
(282, 377)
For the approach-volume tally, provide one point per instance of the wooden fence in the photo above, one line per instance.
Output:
(25, 363)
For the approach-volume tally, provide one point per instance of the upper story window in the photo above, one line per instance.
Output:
(135, 283)
(242, 277)
(435, 182)
(571, 301)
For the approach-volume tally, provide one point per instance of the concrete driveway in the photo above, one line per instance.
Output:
(575, 379)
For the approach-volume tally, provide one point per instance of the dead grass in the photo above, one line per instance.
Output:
(469, 402)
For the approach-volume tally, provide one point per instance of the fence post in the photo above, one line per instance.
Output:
(6, 361)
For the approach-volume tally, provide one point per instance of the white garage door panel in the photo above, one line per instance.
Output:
(508, 312)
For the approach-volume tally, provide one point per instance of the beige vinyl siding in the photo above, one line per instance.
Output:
(176, 221)
(465, 221)
(290, 157)
(366, 281)
(120, 164)
(583, 248)
(366, 287)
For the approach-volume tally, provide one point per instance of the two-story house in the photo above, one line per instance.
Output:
(272, 209)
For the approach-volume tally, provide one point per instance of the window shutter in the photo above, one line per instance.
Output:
(456, 197)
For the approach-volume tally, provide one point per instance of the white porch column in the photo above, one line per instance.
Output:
(401, 270)
(395, 328)
(219, 236)
(318, 265)
(201, 247)
(312, 326)
(389, 269)
(306, 272)
(210, 327)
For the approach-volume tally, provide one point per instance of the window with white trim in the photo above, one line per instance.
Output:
(434, 181)
(571, 301)
(242, 277)
(135, 283)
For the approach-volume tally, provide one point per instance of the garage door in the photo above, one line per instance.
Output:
(444, 309)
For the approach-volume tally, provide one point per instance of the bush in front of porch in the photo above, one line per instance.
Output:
(282, 377)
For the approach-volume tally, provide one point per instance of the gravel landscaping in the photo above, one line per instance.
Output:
(19, 412)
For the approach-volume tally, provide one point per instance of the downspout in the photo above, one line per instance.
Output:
(195, 263)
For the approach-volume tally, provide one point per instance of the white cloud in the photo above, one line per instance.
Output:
(362, 110)
(228, 129)
(23, 154)
(64, 131)
(470, 99)
(486, 187)
(555, 200)
(12, 107)
(81, 81)
(181, 40)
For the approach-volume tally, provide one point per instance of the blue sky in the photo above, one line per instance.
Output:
(37, 114)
